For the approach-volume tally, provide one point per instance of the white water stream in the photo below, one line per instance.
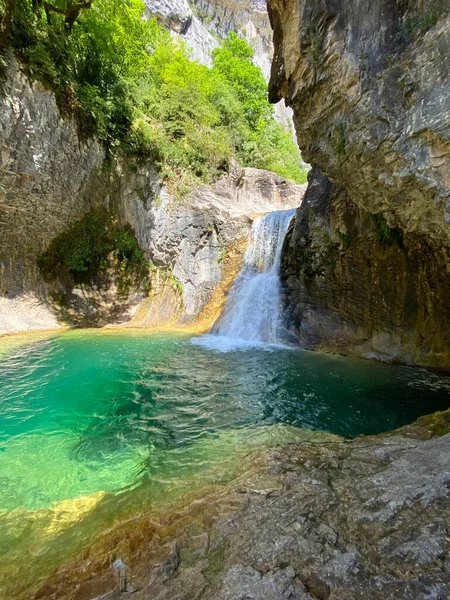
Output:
(253, 312)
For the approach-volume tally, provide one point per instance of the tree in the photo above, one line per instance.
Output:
(233, 61)
(70, 10)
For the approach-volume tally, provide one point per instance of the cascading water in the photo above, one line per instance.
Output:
(253, 310)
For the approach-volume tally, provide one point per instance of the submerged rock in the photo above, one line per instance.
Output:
(337, 520)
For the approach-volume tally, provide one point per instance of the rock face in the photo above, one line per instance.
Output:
(177, 15)
(366, 266)
(51, 178)
(192, 239)
(201, 22)
(248, 17)
(320, 521)
(47, 176)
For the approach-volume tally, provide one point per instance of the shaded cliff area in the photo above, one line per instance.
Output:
(366, 266)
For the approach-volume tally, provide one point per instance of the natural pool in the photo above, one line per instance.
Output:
(98, 426)
(83, 412)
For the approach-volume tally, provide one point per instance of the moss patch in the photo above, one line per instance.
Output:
(386, 236)
(437, 424)
(339, 141)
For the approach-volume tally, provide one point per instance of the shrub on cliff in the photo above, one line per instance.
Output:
(129, 82)
(233, 61)
(88, 246)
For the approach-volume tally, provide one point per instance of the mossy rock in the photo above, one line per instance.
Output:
(437, 424)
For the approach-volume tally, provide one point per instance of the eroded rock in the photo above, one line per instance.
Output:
(367, 518)
(367, 264)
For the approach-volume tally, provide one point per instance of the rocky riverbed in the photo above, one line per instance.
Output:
(337, 520)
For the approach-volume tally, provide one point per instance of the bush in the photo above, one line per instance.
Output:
(417, 24)
(233, 62)
(85, 248)
(136, 87)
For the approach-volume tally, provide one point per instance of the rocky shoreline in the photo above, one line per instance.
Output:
(338, 520)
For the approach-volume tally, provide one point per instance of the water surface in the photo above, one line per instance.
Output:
(84, 412)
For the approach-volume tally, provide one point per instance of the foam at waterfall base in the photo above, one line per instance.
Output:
(252, 317)
(223, 343)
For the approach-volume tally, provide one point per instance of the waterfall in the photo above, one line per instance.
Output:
(253, 310)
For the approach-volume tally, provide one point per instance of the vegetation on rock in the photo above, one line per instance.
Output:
(137, 89)
(386, 236)
(88, 246)
(417, 23)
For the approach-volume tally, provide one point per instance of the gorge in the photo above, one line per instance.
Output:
(218, 381)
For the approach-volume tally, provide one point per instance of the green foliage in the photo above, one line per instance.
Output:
(176, 285)
(126, 247)
(222, 255)
(386, 236)
(83, 249)
(128, 81)
(346, 238)
(146, 285)
(417, 24)
(313, 41)
(339, 141)
(233, 61)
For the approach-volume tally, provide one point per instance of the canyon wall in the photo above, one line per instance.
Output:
(201, 23)
(178, 16)
(366, 266)
(47, 178)
(51, 177)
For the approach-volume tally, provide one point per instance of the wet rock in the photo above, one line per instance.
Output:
(367, 518)
(246, 583)
(123, 576)
(165, 570)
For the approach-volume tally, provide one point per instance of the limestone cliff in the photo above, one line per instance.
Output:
(178, 16)
(366, 265)
(201, 23)
(50, 178)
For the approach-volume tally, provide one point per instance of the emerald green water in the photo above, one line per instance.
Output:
(84, 412)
